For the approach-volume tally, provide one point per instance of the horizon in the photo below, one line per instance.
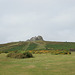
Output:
(32, 41)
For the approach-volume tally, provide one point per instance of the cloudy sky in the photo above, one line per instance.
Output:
(22, 19)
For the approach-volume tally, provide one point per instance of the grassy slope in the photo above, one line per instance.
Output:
(41, 64)
(60, 45)
(14, 46)
(38, 45)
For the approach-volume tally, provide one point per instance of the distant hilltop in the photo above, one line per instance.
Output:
(38, 38)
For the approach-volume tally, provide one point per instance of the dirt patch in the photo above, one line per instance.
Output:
(29, 67)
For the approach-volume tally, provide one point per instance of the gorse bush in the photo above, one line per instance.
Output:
(55, 52)
(39, 51)
(20, 55)
(64, 52)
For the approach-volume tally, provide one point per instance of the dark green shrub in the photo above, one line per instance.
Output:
(69, 52)
(0, 52)
(27, 54)
(6, 52)
(20, 55)
(3, 52)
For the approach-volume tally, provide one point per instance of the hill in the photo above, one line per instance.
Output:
(37, 45)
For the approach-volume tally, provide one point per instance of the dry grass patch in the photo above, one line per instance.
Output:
(29, 67)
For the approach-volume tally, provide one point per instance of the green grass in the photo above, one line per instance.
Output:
(41, 64)
(32, 46)
(37, 45)
(60, 45)
(13, 46)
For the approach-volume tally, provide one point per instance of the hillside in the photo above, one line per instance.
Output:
(37, 45)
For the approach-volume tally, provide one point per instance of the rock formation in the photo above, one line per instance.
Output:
(38, 38)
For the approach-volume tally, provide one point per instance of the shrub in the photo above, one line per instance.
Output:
(27, 54)
(11, 55)
(20, 55)
(0, 52)
(39, 51)
(64, 52)
(3, 52)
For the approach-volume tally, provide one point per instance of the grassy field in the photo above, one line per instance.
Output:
(41, 64)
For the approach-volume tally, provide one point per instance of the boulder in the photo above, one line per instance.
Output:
(38, 38)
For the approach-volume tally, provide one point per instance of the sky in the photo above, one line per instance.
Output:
(20, 20)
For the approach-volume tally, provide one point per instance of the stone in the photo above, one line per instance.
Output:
(38, 38)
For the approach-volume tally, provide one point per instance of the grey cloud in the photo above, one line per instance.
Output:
(22, 19)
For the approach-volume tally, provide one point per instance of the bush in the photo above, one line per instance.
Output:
(20, 55)
(39, 51)
(27, 54)
(64, 52)
(3, 52)
(11, 55)
(0, 52)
